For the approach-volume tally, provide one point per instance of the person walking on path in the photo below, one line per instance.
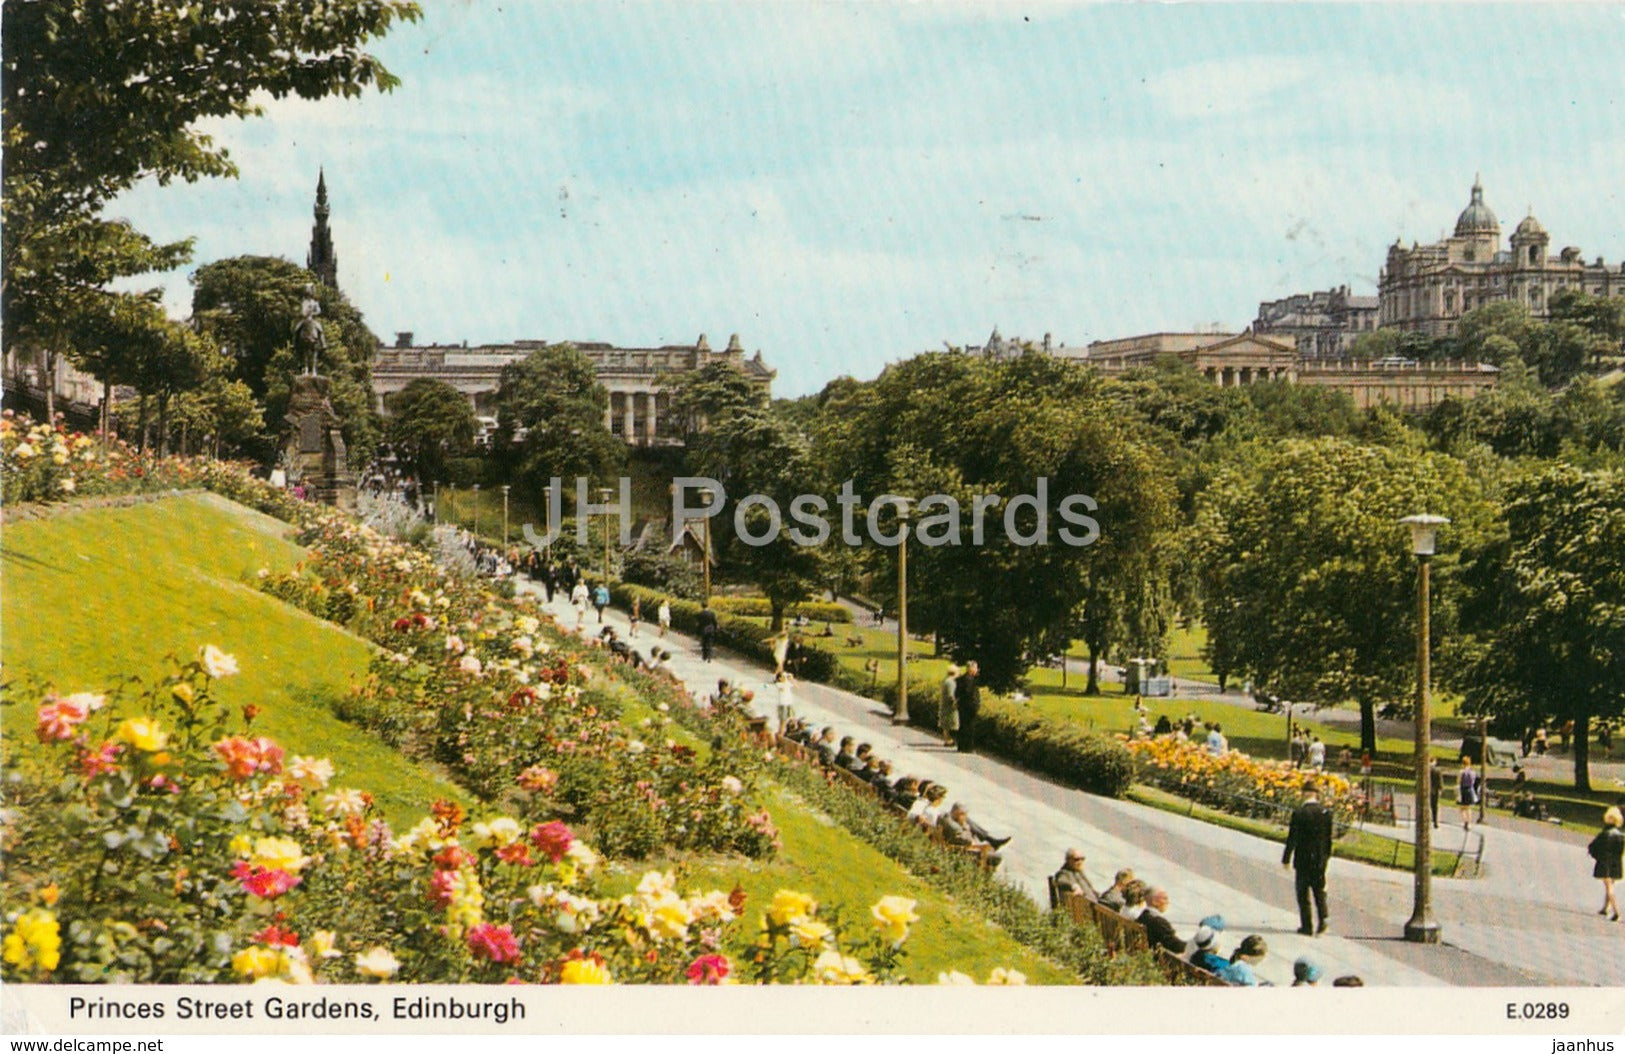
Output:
(1468, 789)
(1435, 788)
(578, 600)
(968, 697)
(948, 706)
(708, 631)
(634, 617)
(1309, 840)
(1607, 849)
(600, 599)
(663, 616)
(785, 711)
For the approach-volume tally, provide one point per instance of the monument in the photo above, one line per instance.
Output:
(313, 451)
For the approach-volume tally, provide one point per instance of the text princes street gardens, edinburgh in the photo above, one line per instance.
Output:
(937, 518)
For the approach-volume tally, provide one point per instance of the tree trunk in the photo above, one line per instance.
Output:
(163, 425)
(107, 408)
(141, 423)
(1582, 752)
(1093, 686)
(50, 387)
(777, 622)
(1368, 727)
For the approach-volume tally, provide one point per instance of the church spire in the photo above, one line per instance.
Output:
(322, 260)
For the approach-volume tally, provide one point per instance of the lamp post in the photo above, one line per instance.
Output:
(451, 504)
(437, 503)
(476, 511)
(603, 499)
(1422, 928)
(505, 488)
(549, 501)
(900, 714)
(705, 557)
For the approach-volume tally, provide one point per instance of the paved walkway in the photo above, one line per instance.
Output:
(1529, 920)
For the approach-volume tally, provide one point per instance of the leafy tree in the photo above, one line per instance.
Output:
(962, 426)
(250, 304)
(1309, 585)
(60, 293)
(750, 450)
(98, 96)
(429, 422)
(221, 415)
(550, 413)
(1389, 343)
(714, 390)
(1553, 607)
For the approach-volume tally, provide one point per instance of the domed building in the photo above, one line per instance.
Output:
(1427, 288)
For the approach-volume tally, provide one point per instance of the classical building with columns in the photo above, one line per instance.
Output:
(1233, 360)
(638, 379)
(1427, 288)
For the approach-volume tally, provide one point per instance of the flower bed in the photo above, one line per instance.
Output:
(1236, 783)
(520, 712)
(160, 840)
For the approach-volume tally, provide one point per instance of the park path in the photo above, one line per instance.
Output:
(1528, 920)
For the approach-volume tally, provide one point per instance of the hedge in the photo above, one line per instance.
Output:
(761, 607)
(1060, 749)
(1046, 745)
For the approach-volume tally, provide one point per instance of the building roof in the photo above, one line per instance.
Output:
(1477, 218)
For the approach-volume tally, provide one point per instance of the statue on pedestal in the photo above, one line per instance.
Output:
(313, 448)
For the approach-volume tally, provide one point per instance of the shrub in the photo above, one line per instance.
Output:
(761, 607)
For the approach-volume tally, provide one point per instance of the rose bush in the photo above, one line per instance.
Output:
(1236, 783)
(159, 840)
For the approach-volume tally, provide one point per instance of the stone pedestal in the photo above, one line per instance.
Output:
(313, 445)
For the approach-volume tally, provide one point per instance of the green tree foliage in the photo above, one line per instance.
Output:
(963, 426)
(1582, 331)
(751, 450)
(429, 421)
(709, 393)
(249, 305)
(1309, 584)
(1552, 607)
(1391, 343)
(550, 415)
(97, 96)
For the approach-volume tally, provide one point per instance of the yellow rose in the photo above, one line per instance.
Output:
(1000, 975)
(323, 944)
(279, 854)
(810, 934)
(183, 692)
(377, 962)
(256, 962)
(834, 968)
(893, 914)
(584, 971)
(34, 941)
(788, 907)
(142, 733)
(668, 917)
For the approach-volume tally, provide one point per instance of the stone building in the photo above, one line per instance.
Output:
(1322, 324)
(1427, 288)
(1232, 360)
(638, 379)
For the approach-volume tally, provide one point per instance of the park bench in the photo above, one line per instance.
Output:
(1120, 934)
(1181, 972)
(855, 781)
(982, 853)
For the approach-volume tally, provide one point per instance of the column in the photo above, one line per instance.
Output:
(631, 433)
(609, 413)
(649, 418)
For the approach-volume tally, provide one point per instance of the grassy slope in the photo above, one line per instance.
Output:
(90, 595)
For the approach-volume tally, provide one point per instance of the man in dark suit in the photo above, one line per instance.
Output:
(1071, 879)
(708, 630)
(1157, 927)
(969, 697)
(1309, 848)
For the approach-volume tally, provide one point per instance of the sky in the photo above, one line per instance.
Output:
(848, 184)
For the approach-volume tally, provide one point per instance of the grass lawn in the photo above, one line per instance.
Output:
(821, 859)
(91, 595)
